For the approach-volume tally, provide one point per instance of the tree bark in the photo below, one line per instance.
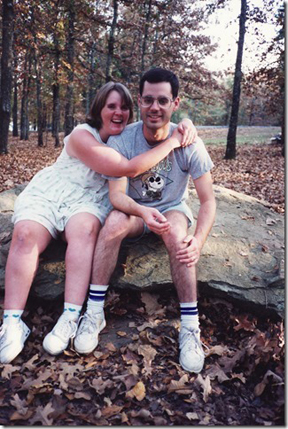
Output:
(231, 138)
(24, 123)
(6, 72)
(15, 97)
(145, 37)
(69, 107)
(91, 76)
(111, 42)
(39, 101)
(56, 92)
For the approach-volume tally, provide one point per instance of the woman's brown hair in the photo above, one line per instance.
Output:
(94, 116)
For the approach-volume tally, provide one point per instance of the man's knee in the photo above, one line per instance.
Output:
(117, 224)
(173, 239)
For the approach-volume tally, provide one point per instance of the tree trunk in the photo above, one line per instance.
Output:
(231, 138)
(15, 97)
(24, 124)
(56, 91)
(39, 102)
(6, 72)
(145, 37)
(69, 107)
(91, 86)
(111, 42)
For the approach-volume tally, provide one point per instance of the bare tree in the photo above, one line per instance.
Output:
(231, 138)
(6, 72)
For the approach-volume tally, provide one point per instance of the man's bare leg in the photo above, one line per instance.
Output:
(118, 226)
(184, 278)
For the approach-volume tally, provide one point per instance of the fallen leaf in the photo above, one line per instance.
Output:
(8, 370)
(217, 350)
(100, 385)
(111, 410)
(216, 372)
(19, 404)
(18, 416)
(206, 386)
(42, 415)
(110, 347)
(178, 385)
(151, 302)
(149, 353)
(268, 377)
(30, 363)
(192, 416)
(138, 392)
(83, 395)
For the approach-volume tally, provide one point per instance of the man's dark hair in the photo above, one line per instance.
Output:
(160, 75)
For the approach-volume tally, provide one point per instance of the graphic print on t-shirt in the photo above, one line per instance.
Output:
(148, 186)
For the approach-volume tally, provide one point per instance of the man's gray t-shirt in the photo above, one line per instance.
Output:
(164, 185)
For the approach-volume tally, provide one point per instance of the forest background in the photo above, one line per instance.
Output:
(56, 54)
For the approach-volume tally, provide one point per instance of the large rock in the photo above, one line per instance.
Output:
(242, 260)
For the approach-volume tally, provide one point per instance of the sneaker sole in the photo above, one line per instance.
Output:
(90, 350)
(195, 370)
(52, 352)
(18, 350)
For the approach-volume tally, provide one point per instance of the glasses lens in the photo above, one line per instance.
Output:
(164, 101)
(147, 101)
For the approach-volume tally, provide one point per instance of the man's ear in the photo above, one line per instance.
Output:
(176, 104)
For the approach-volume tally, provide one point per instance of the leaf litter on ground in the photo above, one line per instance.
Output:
(136, 379)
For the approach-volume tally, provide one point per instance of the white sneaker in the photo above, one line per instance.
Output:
(12, 339)
(87, 335)
(191, 352)
(58, 339)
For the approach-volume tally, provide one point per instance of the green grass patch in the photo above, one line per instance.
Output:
(245, 135)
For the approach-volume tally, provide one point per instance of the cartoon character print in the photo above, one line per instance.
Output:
(152, 185)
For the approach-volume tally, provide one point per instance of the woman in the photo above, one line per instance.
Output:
(70, 197)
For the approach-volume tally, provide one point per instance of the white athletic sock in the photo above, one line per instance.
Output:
(189, 314)
(72, 311)
(96, 299)
(12, 316)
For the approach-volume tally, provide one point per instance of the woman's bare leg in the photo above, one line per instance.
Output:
(29, 240)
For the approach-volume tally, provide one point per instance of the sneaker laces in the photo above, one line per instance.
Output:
(65, 329)
(191, 342)
(90, 322)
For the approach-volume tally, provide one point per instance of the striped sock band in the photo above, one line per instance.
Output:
(96, 299)
(12, 316)
(189, 314)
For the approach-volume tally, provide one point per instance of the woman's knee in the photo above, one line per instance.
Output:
(85, 231)
(24, 236)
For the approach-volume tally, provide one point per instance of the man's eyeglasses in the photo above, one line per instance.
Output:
(164, 102)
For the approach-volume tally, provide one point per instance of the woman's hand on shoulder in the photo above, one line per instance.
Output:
(188, 131)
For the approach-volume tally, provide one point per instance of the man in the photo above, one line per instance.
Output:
(155, 201)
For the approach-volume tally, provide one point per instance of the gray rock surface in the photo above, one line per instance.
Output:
(242, 260)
